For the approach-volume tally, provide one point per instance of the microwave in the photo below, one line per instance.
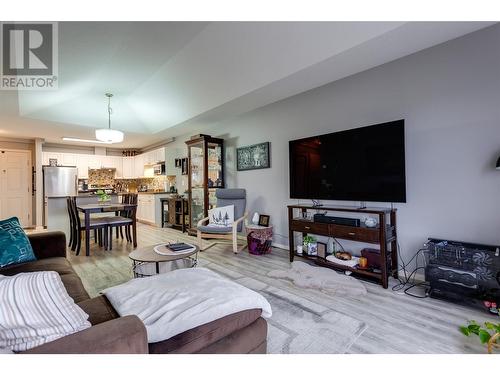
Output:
(159, 169)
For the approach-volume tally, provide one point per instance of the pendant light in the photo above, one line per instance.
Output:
(109, 135)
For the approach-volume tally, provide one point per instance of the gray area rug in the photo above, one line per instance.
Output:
(297, 329)
(324, 279)
(299, 325)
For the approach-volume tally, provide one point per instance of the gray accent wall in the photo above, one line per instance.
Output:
(449, 96)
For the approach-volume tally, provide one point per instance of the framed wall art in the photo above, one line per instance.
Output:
(253, 157)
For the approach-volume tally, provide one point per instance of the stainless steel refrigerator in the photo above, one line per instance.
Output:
(58, 182)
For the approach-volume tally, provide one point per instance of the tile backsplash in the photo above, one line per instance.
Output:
(101, 177)
(106, 177)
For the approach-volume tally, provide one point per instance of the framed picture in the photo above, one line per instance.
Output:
(253, 157)
(321, 248)
(264, 220)
(177, 163)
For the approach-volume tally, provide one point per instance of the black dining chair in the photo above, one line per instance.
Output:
(124, 220)
(98, 225)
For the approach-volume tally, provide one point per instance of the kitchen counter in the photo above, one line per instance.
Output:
(150, 192)
(85, 194)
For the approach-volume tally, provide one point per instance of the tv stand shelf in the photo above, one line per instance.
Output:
(383, 235)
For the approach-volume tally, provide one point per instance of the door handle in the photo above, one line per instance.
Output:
(307, 227)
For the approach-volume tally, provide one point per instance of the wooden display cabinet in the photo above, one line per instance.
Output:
(205, 175)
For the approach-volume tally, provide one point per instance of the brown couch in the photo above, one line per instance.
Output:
(243, 332)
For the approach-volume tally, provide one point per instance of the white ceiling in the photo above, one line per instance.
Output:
(170, 78)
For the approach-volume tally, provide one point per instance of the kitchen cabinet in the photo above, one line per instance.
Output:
(128, 167)
(69, 160)
(146, 208)
(117, 162)
(154, 156)
(46, 156)
(139, 166)
(94, 162)
(82, 164)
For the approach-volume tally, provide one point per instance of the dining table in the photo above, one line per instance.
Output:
(88, 209)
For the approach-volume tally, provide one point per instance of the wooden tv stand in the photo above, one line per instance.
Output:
(384, 235)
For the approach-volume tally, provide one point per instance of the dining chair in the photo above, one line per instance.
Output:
(99, 225)
(124, 220)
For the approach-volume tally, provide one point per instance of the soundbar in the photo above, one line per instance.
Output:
(322, 218)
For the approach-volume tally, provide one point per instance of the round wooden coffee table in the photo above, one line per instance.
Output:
(146, 255)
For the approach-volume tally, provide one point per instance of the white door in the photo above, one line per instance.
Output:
(15, 186)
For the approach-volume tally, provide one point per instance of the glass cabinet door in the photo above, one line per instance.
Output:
(214, 156)
(197, 204)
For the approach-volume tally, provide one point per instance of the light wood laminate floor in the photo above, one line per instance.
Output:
(396, 323)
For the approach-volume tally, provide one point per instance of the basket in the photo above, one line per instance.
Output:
(256, 247)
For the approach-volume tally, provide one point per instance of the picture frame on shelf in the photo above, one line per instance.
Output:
(264, 220)
(53, 162)
(253, 157)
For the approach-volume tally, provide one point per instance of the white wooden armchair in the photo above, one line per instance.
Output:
(226, 197)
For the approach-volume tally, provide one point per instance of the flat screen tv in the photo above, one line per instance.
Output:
(364, 164)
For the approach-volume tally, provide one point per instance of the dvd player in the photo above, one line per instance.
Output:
(322, 218)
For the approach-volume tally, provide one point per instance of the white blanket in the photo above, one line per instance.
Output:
(177, 301)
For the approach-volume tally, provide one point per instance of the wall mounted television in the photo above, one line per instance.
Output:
(365, 164)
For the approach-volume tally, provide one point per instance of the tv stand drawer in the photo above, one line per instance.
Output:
(354, 233)
(310, 227)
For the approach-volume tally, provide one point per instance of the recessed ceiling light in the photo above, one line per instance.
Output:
(83, 140)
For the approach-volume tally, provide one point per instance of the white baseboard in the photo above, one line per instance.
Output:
(280, 246)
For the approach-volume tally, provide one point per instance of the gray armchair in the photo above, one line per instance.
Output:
(225, 197)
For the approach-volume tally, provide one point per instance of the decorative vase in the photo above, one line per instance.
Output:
(299, 249)
(255, 218)
(312, 248)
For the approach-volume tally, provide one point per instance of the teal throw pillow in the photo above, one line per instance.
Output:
(15, 246)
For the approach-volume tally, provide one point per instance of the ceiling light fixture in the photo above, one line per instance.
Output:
(109, 135)
(83, 140)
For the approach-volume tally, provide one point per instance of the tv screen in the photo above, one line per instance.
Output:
(363, 164)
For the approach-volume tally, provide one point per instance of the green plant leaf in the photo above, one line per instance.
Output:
(464, 330)
(474, 328)
(484, 336)
(490, 325)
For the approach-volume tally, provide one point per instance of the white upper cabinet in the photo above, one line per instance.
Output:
(94, 161)
(128, 167)
(160, 154)
(83, 166)
(46, 156)
(154, 156)
(70, 160)
(139, 165)
(118, 165)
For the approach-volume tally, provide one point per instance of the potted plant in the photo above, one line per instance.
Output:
(310, 245)
(102, 197)
(488, 333)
